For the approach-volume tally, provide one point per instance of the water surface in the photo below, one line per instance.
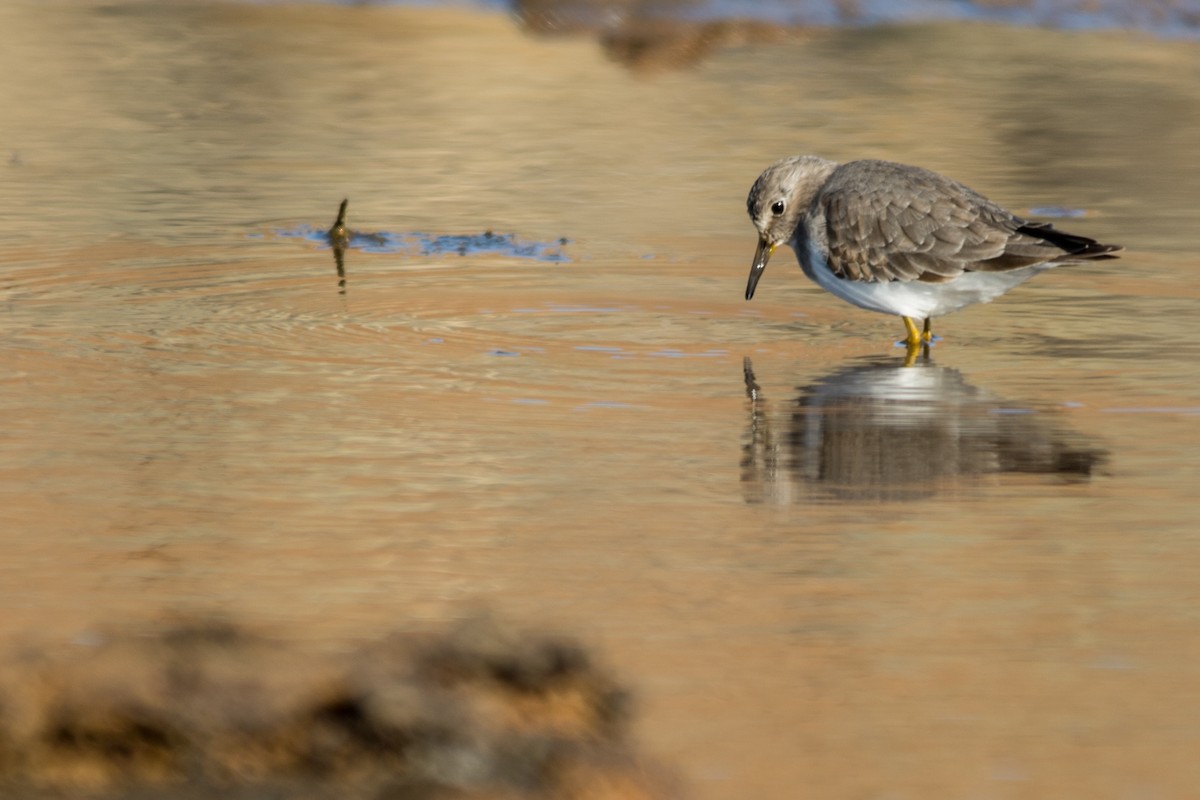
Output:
(974, 578)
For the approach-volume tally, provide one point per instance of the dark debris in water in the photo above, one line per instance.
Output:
(505, 244)
(341, 237)
(419, 243)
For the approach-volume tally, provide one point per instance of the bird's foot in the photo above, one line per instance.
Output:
(917, 337)
(918, 343)
(914, 337)
(926, 332)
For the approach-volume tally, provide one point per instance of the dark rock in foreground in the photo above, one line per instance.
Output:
(211, 710)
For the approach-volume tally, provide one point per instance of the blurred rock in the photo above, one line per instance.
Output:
(659, 44)
(573, 16)
(212, 710)
(676, 33)
(647, 35)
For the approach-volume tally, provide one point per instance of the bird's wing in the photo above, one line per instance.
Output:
(889, 222)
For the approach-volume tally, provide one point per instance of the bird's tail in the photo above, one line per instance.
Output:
(1078, 248)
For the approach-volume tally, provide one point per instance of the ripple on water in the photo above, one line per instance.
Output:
(430, 324)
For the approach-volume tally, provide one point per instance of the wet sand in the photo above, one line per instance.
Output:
(202, 418)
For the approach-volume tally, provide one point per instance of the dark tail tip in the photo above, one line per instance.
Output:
(1080, 247)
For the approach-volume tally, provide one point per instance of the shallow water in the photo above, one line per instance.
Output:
(973, 578)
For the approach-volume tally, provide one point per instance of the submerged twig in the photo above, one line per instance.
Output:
(339, 240)
(338, 235)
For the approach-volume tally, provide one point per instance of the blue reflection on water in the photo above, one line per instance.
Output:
(430, 244)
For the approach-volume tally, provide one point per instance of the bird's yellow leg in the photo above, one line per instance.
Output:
(914, 335)
(927, 332)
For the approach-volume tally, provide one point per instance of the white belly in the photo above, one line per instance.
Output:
(914, 298)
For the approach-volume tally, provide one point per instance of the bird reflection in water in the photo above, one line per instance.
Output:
(881, 430)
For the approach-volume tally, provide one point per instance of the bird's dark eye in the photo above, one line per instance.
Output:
(777, 207)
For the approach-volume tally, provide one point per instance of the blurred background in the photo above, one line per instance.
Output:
(755, 554)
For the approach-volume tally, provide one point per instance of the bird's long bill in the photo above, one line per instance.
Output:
(761, 256)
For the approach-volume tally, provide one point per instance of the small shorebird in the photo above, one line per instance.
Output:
(899, 239)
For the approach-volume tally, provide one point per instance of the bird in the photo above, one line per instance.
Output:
(901, 239)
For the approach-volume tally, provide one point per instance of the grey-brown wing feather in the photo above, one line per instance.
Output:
(888, 222)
